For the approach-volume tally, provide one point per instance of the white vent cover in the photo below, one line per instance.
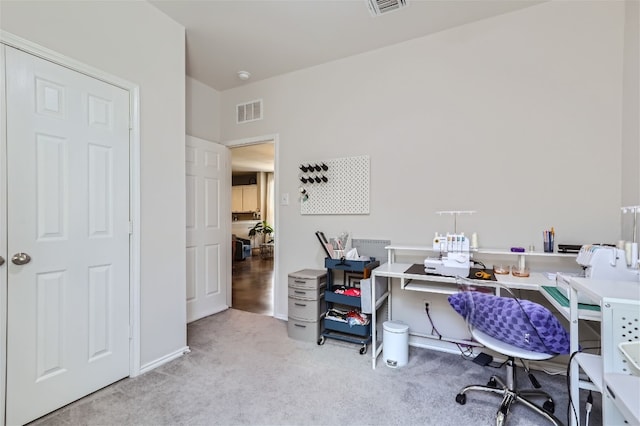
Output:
(380, 7)
(250, 111)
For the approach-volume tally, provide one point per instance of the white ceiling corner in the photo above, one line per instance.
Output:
(269, 38)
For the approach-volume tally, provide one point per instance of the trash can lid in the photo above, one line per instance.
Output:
(309, 274)
(395, 326)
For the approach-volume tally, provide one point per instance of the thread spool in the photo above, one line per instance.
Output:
(474, 240)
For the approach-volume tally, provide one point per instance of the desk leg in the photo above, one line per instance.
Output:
(374, 338)
(377, 348)
(574, 370)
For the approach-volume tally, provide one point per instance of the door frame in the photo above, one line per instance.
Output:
(34, 49)
(276, 211)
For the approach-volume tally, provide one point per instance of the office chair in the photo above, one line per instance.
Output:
(517, 329)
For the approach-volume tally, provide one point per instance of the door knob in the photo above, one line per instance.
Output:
(21, 258)
(1, 260)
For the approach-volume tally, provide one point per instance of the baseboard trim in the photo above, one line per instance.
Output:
(165, 359)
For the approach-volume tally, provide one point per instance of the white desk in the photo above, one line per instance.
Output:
(440, 284)
(617, 300)
(622, 398)
(620, 313)
(583, 314)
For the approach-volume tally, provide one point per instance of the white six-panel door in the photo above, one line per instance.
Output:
(208, 181)
(68, 209)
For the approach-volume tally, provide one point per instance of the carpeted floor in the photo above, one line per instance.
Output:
(244, 370)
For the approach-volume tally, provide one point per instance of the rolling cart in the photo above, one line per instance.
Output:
(358, 334)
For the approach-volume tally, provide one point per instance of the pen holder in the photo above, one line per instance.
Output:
(548, 246)
(338, 254)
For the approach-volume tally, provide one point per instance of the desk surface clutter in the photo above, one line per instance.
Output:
(474, 273)
(611, 300)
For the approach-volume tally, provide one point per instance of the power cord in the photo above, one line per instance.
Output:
(499, 365)
(433, 327)
(534, 382)
(477, 262)
(570, 405)
(465, 351)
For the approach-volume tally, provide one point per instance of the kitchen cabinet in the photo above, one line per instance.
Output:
(244, 198)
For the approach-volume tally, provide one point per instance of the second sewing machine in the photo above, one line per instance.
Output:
(454, 259)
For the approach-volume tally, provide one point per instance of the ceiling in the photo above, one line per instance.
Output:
(252, 158)
(270, 38)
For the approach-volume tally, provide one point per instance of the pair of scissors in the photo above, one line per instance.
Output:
(483, 275)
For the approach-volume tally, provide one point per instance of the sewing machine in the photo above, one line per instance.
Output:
(454, 259)
(601, 263)
(607, 263)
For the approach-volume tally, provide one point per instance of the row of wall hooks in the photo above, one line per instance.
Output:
(342, 188)
(311, 167)
(314, 179)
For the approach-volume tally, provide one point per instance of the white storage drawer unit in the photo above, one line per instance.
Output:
(302, 293)
(308, 310)
(309, 331)
(306, 303)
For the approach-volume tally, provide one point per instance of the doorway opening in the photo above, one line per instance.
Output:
(253, 226)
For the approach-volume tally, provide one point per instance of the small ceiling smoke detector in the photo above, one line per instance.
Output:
(244, 75)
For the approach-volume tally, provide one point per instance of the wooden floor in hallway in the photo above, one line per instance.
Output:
(252, 285)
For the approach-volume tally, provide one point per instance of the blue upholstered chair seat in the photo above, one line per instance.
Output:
(521, 323)
(516, 329)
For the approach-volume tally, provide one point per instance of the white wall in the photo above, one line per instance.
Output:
(631, 117)
(136, 42)
(517, 117)
(203, 111)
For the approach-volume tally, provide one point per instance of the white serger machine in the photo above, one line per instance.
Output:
(454, 258)
(601, 263)
(606, 263)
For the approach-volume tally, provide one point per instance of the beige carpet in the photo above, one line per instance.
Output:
(244, 370)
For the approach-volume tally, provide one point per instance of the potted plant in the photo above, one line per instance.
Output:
(262, 228)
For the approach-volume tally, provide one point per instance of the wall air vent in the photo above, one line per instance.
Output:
(250, 111)
(380, 7)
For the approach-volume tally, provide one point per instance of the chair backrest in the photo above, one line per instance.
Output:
(518, 322)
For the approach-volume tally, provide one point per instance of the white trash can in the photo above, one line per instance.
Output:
(395, 344)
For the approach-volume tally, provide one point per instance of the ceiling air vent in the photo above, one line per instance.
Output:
(250, 111)
(380, 7)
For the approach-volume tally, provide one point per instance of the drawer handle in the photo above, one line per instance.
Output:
(299, 292)
(301, 326)
(300, 304)
(299, 281)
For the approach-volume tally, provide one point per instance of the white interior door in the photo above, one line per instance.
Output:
(208, 183)
(68, 210)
